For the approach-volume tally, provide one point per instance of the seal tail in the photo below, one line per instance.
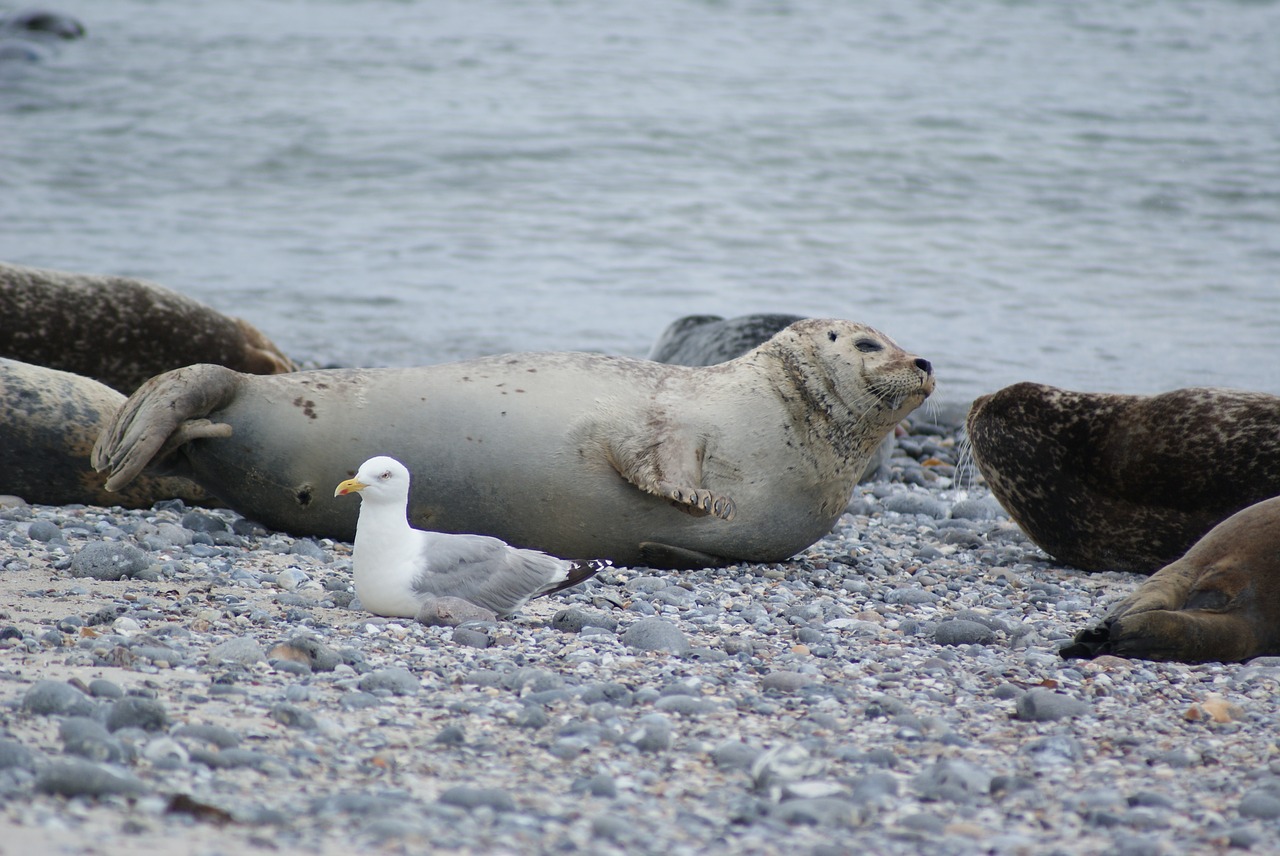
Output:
(579, 572)
(163, 414)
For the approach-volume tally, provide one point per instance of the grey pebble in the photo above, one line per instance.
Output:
(1044, 705)
(77, 777)
(44, 531)
(954, 780)
(215, 735)
(292, 716)
(202, 521)
(452, 611)
(785, 681)
(1259, 804)
(90, 739)
(913, 502)
(15, 756)
(396, 680)
(962, 632)
(573, 620)
(735, 755)
(468, 797)
(108, 560)
(243, 651)
(655, 634)
(451, 735)
(132, 712)
(55, 698)
(651, 733)
(471, 638)
(685, 705)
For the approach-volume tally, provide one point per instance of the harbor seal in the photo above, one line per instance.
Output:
(1221, 601)
(120, 331)
(49, 421)
(583, 456)
(1125, 482)
(705, 340)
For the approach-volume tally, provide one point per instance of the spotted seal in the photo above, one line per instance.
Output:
(578, 455)
(1125, 482)
(120, 331)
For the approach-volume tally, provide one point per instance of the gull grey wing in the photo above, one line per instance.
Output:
(484, 571)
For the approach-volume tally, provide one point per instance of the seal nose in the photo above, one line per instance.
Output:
(924, 365)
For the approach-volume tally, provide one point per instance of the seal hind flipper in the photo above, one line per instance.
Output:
(164, 413)
(669, 557)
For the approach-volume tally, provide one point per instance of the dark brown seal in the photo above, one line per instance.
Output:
(121, 331)
(1221, 601)
(1125, 482)
(49, 421)
(578, 455)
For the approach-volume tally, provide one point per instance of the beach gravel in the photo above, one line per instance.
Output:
(183, 680)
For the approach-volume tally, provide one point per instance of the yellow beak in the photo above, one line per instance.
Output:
(349, 486)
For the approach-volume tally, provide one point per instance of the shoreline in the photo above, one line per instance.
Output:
(895, 688)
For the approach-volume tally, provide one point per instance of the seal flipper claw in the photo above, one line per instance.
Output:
(164, 413)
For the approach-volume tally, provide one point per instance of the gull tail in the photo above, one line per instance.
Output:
(578, 572)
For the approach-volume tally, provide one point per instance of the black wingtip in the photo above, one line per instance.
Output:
(579, 572)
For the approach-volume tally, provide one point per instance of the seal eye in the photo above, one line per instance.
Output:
(868, 346)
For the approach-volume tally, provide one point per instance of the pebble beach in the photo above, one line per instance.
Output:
(181, 680)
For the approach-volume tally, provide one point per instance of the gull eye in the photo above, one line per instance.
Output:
(868, 346)
(385, 475)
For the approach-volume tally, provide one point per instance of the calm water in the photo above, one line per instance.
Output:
(1083, 193)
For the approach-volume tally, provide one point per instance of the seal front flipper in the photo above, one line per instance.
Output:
(669, 466)
(164, 413)
(667, 557)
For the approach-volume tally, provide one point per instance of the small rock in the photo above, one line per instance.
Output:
(786, 682)
(465, 796)
(655, 634)
(132, 712)
(1259, 804)
(243, 651)
(573, 620)
(1043, 705)
(961, 632)
(108, 560)
(54, 698)
(452, 611)
(77, 777)
(396, 680)
(44, 531)
(652, 733)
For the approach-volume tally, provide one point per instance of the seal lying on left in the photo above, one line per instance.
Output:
(50, 422)
(1221, 601)
(121, 331)
(579, 455)
(1125, 482)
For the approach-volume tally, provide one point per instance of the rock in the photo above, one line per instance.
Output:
(655, 634)
(786, 682)
(395, 680)
(54, 698)
(1043, 705)
(735, 755)
(108, 560)
(15, 756)
(241, 651)
(77, 777)
(652, 733)
(303, 649)
(292, 716)
(468, 797)
(573, 620)
(452, 611)
(132, 712)
(953, 780)
(961, 632)
(1259, 804)
(44, 531)
(916, 502)
(202, 521)
(471, 638)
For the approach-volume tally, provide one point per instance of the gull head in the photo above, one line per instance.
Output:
(379, 479)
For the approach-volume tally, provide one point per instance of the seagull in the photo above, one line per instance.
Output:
(398, 568)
